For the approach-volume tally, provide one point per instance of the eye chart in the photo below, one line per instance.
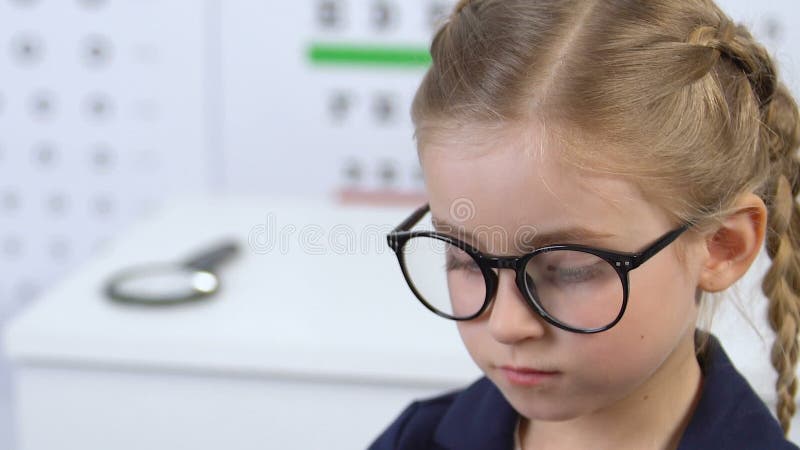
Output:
(340, 89)
(102, 112)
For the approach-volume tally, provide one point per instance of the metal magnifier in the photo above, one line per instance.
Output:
(170, 283)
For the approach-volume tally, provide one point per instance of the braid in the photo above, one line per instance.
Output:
(779, 137)
(781, 283)
(734, 43)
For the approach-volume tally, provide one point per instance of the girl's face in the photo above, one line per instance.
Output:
(511, 180)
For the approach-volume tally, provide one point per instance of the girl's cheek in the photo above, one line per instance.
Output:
(477, 341)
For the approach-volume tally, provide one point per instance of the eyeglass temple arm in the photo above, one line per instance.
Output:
(413, 218)
(658, 246)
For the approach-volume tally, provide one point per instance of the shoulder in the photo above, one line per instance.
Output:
(463, 419)
(415, 426)
(729, 414)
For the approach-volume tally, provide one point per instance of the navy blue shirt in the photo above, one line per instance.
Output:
(729, 416)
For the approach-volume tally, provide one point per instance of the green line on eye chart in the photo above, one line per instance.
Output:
(369, 55)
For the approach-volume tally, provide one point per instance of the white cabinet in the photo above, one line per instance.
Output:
(311, 343)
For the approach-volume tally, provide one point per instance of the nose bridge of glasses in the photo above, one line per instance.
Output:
(499, 262)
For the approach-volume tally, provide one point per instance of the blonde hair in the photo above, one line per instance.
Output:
(686, 104)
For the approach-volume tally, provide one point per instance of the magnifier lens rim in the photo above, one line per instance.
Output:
(114, 292)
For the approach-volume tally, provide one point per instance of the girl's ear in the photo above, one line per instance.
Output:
(733, 246)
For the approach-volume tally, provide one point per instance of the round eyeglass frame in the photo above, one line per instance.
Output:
(622, 262)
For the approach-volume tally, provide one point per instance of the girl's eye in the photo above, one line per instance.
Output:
(466, 264)
(574, 274)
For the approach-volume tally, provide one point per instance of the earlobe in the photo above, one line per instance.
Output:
(732, 247)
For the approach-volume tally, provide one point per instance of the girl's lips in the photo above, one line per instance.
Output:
(524, 376)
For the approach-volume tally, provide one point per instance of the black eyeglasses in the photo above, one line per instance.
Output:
(574, 287)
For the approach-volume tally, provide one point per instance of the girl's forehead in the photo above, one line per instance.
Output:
(511, 186)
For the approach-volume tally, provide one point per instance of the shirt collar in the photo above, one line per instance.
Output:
(729, 414)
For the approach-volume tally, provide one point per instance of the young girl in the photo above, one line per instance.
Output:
(593, 169)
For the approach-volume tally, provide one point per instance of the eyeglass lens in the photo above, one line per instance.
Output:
(578, 289)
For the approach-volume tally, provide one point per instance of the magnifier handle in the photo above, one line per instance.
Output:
(213, 257)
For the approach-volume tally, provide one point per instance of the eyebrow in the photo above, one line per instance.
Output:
(569, 235)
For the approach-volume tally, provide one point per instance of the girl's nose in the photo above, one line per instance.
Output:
(511, 319)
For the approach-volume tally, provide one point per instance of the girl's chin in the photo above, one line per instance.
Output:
(544, 406)
(546, 415)
(554, 407)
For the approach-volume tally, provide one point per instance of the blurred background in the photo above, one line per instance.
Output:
(110, 108)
